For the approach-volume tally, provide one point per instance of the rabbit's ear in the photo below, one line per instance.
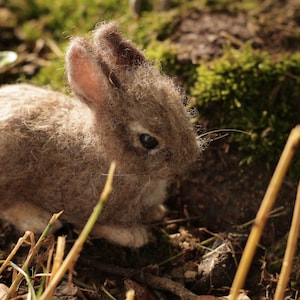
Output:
(119, 53)
(85, 72)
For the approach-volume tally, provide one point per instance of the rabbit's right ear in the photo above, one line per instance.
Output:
(86, 74)
(120, 53)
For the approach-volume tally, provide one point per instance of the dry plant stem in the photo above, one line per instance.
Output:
(14, 250)
(60, 249)
(49, 263)
(290, 251)
(72, 256)
(264, 210)
(13, 288)
(107, 293)
(130, 295)
(163, 283)
(3, 290)
(58, 258)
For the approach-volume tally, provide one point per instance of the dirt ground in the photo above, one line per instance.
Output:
(201, 35)
(211, 206)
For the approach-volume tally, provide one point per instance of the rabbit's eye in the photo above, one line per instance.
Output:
(149, 142)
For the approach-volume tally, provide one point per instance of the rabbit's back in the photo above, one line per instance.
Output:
(47, 150)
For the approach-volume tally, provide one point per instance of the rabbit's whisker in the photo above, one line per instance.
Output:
(217, 131)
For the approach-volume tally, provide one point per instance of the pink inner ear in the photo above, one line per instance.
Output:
(84, 74)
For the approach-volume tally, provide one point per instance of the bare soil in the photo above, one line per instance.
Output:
(202, 35)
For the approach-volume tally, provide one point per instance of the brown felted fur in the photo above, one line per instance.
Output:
(55, 150)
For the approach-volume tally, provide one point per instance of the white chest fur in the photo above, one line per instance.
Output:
(154, 192)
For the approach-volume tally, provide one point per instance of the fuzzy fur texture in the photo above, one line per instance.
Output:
(55, 150)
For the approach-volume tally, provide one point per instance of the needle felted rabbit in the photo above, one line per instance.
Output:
(55, 150)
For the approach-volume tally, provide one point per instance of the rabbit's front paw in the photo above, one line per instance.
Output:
(133, 237)
(154, 213)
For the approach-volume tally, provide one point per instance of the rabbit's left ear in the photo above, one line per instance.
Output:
(119, 53)
(87, 75)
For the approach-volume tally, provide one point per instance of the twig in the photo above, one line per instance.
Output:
(290, 250)
(49, 262)
(58, 258)
(231, 38)
(166, 284)
(156, 282)
(264, 210)
(160, 283)
(130, 295)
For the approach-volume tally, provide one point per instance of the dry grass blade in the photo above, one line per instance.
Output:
(58, 258)
(60, 248)
(49, 262)
(290, 251)
(130, 295)
(15, 249)
(33, 251)
(72, 256)
(264, 210)
(31, 294)
(3, 291)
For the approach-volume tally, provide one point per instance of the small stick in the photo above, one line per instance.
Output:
(263, 212)
(130, 295)
(232, 38)
(58, 258)
(290, 250)
(49, 262)
(150, 280)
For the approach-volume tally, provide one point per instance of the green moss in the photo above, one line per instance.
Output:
(152, 26)
(162, 54)
(53, 74)
(56, 21)
(57, 18)
(250, 90)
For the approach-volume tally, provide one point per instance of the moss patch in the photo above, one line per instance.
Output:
(251, 91)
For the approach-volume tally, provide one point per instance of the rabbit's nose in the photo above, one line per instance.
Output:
(167, 155)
